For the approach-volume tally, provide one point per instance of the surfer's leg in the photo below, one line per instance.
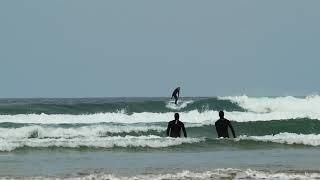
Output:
(176, 99)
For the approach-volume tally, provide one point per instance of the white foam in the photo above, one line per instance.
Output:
(286, 138)
(210, 175)
(309, 104)
(85, 131)
(207, 117)
(150, 141)
(180, 105)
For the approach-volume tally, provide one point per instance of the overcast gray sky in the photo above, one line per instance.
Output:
(98, 48)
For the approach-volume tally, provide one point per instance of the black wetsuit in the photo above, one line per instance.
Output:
(222, 128)
(174, 129)
(176, 94)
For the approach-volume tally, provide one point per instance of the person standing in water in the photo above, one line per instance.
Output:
(175, 126)
(176, 95)
(222, 126)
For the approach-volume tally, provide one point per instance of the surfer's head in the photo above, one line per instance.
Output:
(176, 116)
(221, 114)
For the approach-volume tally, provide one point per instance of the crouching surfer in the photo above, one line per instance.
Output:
(176, 95)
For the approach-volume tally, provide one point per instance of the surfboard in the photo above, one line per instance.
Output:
(179, 103)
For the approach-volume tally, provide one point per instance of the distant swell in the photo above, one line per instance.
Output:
(288, 104)
(111, 105)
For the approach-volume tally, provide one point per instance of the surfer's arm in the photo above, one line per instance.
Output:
(168, 129)
(184, 131)
(232, 130)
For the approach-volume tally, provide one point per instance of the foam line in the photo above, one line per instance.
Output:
(204, 175)
(37, 131)
(207, 117)
(150, 141)
(286, 138)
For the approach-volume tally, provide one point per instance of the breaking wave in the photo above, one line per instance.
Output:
(179, 106)
(147, 117)
(214, 174)
(289, 104)
(150, 141)
(287, 138)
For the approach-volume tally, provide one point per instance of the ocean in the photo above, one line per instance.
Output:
(124, 138)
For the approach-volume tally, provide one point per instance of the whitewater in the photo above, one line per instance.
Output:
(214, 174)
(277, 137)
(200, 117)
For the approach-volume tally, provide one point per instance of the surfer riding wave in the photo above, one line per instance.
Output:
(176, 95)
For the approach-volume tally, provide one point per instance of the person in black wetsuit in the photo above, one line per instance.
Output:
(175, 126)
(222, 126)
(176, 94)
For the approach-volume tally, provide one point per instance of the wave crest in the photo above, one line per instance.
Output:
(309, 104)
(286, 138)
(150, 141)
(214, 174)
(207, 117)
